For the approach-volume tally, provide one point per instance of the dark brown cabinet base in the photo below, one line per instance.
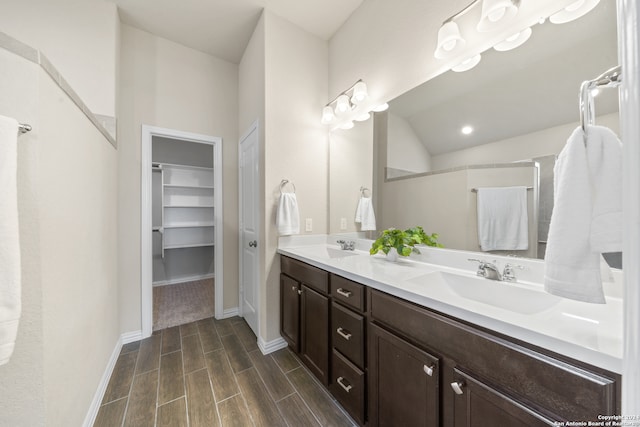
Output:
(390, 362)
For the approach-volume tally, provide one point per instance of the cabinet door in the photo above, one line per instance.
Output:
(477, 404)
(314, 348)
(404, 380)
(290, 311)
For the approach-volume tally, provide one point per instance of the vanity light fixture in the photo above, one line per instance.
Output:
(346, 125)
(467, 64)
(514, 41)
(345, 103)
(574, 11)
(494, 14)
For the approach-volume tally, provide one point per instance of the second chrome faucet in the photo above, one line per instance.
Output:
(489, 270)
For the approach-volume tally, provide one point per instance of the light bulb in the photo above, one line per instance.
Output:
(574, 6)
(342, 104)
(467, 64)
(466, 130)
(327, 115)
(359, 93)
(347, 125)
(362, 117)
(496, 15)
(380, 108)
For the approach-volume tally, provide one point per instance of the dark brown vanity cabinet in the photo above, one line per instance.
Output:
(348, 337)
(304, 314)
(404, 382)
(485, 379)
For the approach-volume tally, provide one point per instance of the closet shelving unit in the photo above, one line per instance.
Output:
(188, 207)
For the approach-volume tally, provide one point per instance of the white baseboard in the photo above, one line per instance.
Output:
(132, 336)
(184, 279)
(230, 312)
(267, 347)
(92, 413)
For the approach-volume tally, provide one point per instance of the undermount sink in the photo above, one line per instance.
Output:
(504, 295)
(325, 252)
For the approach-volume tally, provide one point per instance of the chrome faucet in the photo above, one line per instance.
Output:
(347, 245)
(488, 270)
(509, 274)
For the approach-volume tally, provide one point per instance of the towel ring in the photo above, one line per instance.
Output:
(285, 182)
(363, 190)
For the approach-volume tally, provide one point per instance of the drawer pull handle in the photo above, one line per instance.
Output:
(429, 369)
(299, 291)
(344, 334)
(346, 294)
(457, 387)
(347, 387)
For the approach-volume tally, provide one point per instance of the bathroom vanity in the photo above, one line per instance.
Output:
(393, 351)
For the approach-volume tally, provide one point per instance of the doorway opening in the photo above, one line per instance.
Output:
(181, 228)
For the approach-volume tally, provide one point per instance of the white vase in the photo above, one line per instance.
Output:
(392, 256)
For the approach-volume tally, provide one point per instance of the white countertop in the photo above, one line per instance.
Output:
(591, 333)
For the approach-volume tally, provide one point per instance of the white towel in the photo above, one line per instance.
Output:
(10, 303)
(582, 210)
(288, 217)
(365, 215)
(503, 222)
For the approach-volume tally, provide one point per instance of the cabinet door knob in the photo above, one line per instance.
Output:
(344, 334)
(457, 387)
(346, 387)
(299, 291)
(253, 244)
(344, 293)
(293, 288)
(429, 369)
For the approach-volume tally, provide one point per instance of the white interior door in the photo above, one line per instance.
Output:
(249, 231)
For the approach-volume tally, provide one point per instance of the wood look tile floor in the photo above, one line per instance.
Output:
(211, 373)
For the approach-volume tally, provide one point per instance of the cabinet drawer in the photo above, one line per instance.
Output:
(347, 385)
(305, 273)
(348, 292)
(348, 333)
(567, 390)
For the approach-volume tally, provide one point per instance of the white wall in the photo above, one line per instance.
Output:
(523, 147)
(67, 205)
(408, 153)
(80, 39)
(296, 143)
(168, 85)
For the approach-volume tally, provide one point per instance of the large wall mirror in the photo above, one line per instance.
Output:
(522, 105)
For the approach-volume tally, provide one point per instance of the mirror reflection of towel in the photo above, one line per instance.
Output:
(365, 215)
(503, 222)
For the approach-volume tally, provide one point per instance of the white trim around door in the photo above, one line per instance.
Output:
(146, 286)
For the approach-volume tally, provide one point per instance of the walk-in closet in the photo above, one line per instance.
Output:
(183, 216)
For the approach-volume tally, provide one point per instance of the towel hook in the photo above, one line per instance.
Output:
(285, 182)
(363, 190)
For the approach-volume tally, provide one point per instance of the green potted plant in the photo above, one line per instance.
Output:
(393, 242)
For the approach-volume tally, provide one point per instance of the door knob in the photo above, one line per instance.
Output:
(253, 244)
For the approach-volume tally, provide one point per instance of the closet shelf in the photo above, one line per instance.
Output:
(189, 206)
(198, 187)
(177, 166)
(193, 245)
(191, 225)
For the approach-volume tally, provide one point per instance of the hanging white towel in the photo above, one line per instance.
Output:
(587, 207)
(288, 217)
(10, 290)
(365, 214)
(503, 222)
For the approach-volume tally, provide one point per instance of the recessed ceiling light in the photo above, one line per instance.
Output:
(466, 130)
(595, 92)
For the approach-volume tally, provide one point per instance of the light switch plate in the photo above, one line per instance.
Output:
(343, 223)
(308, 224)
